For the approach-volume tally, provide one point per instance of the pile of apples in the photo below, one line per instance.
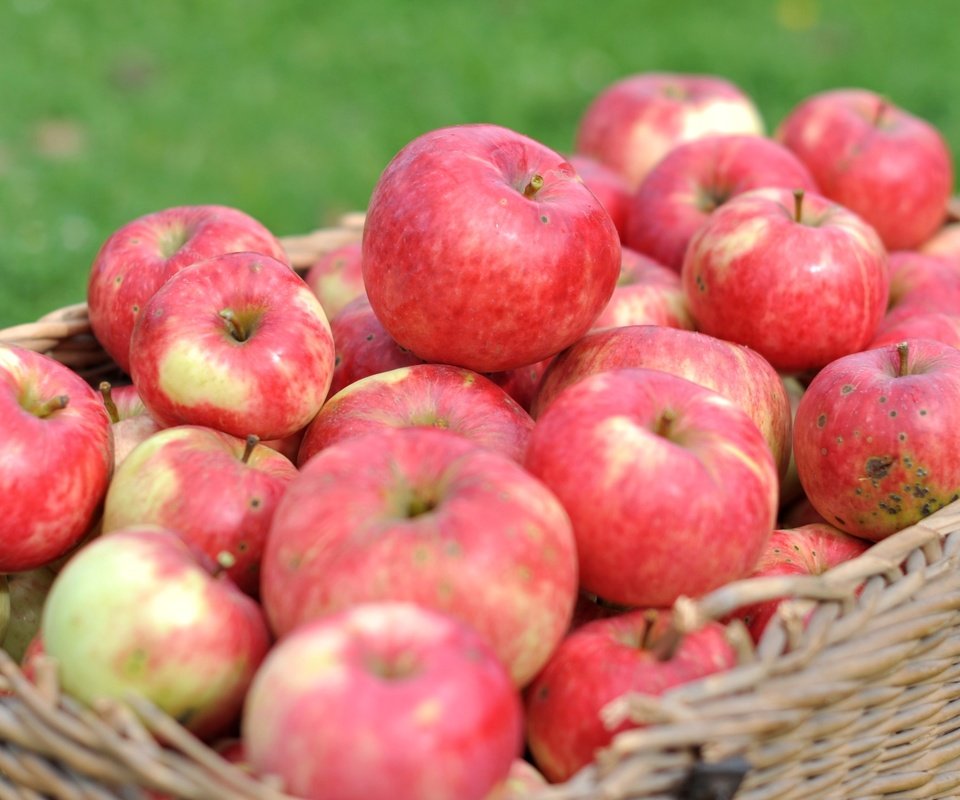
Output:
(405, 524)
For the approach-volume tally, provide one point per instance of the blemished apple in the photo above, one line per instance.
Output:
(483, 248)
(139, 257)
(216, 490)
(736, 372)
(26, 592)
(336, 278)
(635, 652)
(694, 179)
(648, 465)
(792, 275)
(56, 458)
(425, 515)
(610, 187)
(423, 395)
(138, 611)
(383, 700)
(887, 165)
(635, 121)
(877, 437)
(130, 422)
(238, 343)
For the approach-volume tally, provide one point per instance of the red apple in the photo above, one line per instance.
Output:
(383, 700)
(923, 325)
(427, 516)
(877, 437)
(482, 248)
(424, 395)
(920, 283)
(143, 253)
(649, 465)
(137, 612)
(734, 371)
(521, 383)
(609, 186)
(130, 421)
(56, 456)
(945, 243)
(695, 178)
(632, 123)
(794, 276)
(635, 652)
(238, 343)
(336, 278)
(890, 167)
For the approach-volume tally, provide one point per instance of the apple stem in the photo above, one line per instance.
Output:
(47, 407)
(535, 185)
(903, 351)
(106, 392)
(666, 646)
(650, 618)
(665, 423)
(797, 204)
(236, 331)
(252, 441)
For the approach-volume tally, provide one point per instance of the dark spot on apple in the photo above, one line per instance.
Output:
(337, 359)
(846, 388)
(255, 502)
(878, 466)
(118, 280)
(370, 337)
(858, 490)
(242, 547)
(902, 437)
(544, 219)
(882, 398)
(700, 284)
(185, 717)
(921, 472)
(839, 440)
(895, 498)
(543, 692)
(893, 413)
(923, 412)
(136, 310)
(821, 420)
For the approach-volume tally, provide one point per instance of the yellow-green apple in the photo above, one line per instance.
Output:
(920, 283)
(27, 592)
(423, 395)
(813, 275)
(216, 490)
(336, 278)
(56, 457)
(809, 549)
(425, 515)
(523, 780)
(647, 465)
(647, 293)
(237, 342)
(483, 248)
(610, 187)
(636, 652)
(383, 700)
(691, 181)
(877, 435)
(887, 165)
(140, 255)
(141, 612)
(130, 421)
(635, 121)
(736, 372)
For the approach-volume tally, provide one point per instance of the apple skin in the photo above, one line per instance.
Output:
(425, 395)
(55, 462)
(130, 421)
(876, 440)
(944, 243)
(27, 592)
(635, 121)
(809, 549)
(600, 662)
(890, 167)
(137, 611)
(425, 515)
(736, 372)
(194, 480)
(922, 325)
(816, 284)
(336, 278)
(609, 186)
(696, 177)
(920, 283)
(648, 464)
(383, 700)
(139, 257)
(466, 262)
(523, 780)
(647, 293)
(238, 343)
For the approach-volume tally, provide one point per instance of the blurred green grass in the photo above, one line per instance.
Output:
(290, 110)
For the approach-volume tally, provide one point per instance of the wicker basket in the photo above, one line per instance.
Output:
(859, 699)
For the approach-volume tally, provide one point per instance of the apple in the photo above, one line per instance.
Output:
(336, 277)
(130, 421)
(484, 249)
(792, 275)
(694, 179)
(799, 512)
(425, 515)
(638, 652)
(383, 700)
(809, 549)
(888, 166)
(609, 186)
(920, 283)
(736, 372)
(790, 488)
(216, 490)
(523, 780)
(877, 437)
(647, 293)
(522, 383)
(56, 456)
(140, 255)
(238, 343)
(424, 395)
(945, 243)
(649, 466)
(635, 121)
(943, 327)
(26, 593)
(137, 611)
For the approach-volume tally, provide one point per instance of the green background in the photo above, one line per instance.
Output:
(290, 110)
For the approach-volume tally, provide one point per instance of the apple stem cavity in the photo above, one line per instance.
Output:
(106, 392)
(233, 327)
(534, 186)
(53, 404)
(664, 424)
(903, 351)
(797, 205)
(252, 441)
